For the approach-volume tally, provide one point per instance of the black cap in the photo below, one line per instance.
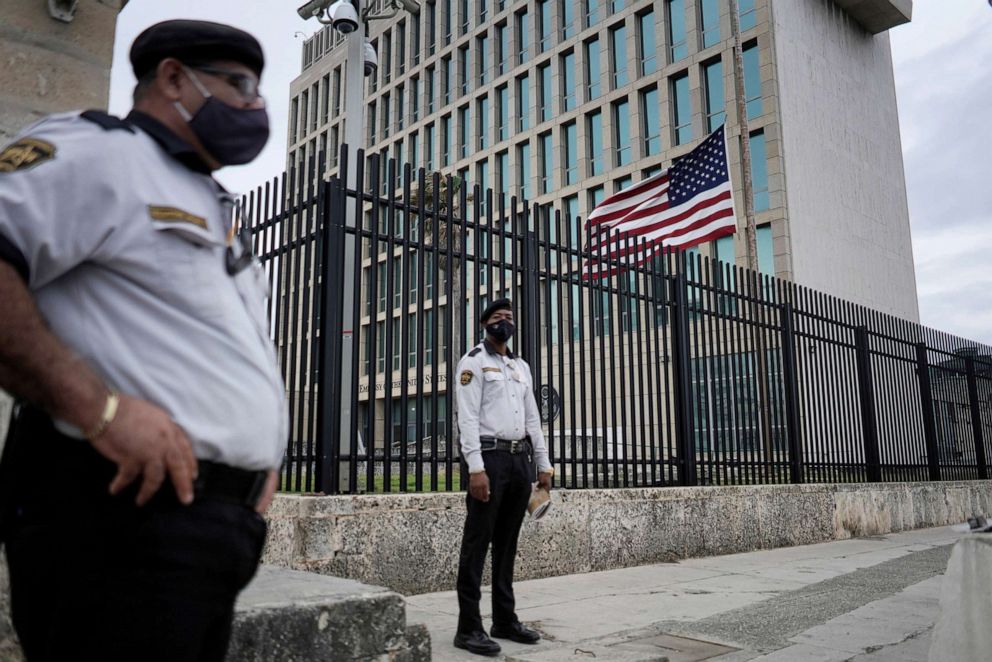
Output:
(498, 304)
(194, 42)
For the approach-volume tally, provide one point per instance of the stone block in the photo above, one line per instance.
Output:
(51, 82)
(560, 543)
(89, 37)
(639, 532)
(794, 517)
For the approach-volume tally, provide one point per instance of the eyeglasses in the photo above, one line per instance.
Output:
(247, 86)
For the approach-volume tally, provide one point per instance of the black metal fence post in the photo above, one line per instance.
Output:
(791, 386)
(926, 402)
(682, 366)
(530, 291)
(330, 275)
(866, 398)
(977, 431)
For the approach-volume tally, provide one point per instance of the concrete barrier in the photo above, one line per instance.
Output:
(410, 542)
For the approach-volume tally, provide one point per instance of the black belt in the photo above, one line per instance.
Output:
(510, 445)
(220, 482)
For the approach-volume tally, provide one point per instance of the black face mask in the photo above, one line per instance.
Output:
(231, 135)
(501, 330)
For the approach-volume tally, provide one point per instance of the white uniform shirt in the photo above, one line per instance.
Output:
(495, 398)
(123, 247)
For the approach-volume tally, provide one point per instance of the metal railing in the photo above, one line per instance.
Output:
(682, 371)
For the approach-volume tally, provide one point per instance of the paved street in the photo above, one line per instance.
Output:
(863, 600)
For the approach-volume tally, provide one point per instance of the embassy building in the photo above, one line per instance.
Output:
(563, 103)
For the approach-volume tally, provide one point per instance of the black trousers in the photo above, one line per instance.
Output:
(95, 577)
(498, 521)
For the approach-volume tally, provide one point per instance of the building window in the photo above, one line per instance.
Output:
(709, 22)
(294, 115)
(596, 196)
(523, 171)
(400, 107)
(446, 141)
(483, 13)
(593, 74)
(618, 47)
(464, 128)
(325, 97)
(431, 28)
(547, 162)
(567, 69)
(748, 17)
(523, 37)
(676, 30)
(503, 177)
(336, 92)
(447, 80)
(523, 103)
(372, 124)
(386, 116)
(380, 355)
(752, 81)
(482, 179)
(594, 133)
(681, 109)
(464, 16)
(566, 8)
(616, 6)
(651, 112)
(621, 133)
(713, 93)
(766, 253)
(385, 57)
(502, 112)
(415, 99)
(304, 108)
(448, 10)
(590, 13)
(503, 40)
(429, 147)
(759, 171)
(622, 183)
(570, 206)
(463, 69)
(647, 43)
(482, 117)
(414, 149)
(546, 26)
(570, 142)
(415, 37)
(334, 147)
(482, 59)
(430, 90)
(544, 75)
(401, 47)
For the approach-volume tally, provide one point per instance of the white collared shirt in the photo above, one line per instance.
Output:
(495, 398)
(125, 251)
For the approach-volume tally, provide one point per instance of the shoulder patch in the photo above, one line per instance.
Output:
(105, 121)
(474, 352)
(25, 153)
(175, 215)
(466, 377)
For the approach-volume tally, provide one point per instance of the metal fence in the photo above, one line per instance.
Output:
(683, 371)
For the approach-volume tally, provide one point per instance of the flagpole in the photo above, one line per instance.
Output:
(751, 230)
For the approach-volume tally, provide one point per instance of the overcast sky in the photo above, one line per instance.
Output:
(944, 88)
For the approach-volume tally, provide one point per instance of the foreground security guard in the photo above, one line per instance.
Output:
(150, 418)
(501, 440)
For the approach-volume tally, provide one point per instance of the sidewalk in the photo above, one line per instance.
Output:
(863, 600)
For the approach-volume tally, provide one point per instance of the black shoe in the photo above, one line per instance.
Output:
(477, 642)
(515, 632)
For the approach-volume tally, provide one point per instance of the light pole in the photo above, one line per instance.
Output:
(351, 18)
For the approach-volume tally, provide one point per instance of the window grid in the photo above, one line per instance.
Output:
(523, 102)
(546, 26)
(678, 48)
(709, 22)
(618, 47)
(713, 94)
(567, 69)
(594, 131)
(621, 133)
(651, 112)
(570, 140)
(681, 109)
(647, 43)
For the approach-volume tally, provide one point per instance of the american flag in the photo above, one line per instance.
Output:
(678, 208)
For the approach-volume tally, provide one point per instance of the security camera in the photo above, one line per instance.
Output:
(370, 57)
(343, 16)
(313, 8)
(413, 6)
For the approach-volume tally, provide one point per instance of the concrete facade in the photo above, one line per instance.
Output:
(410, 543)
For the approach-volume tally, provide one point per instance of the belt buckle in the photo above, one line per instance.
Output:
(514, 446)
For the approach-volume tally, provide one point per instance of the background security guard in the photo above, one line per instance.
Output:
(133, 334)
(501, 440)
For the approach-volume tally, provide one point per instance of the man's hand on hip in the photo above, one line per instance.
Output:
(144, 441)
(544, 481)
(271, 483)
(478, 486)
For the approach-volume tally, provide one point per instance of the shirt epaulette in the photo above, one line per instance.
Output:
(474, 352)
(105, 121)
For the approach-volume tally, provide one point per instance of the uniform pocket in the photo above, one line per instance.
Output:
(186, 268)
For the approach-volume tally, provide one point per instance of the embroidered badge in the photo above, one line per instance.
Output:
(466, 377)
(174, 215)
(491, 370)
(25, 153)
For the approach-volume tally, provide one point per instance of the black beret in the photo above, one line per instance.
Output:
(498, 304)
(194, 42)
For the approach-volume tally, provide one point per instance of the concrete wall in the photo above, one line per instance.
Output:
(410, 543)
(845, 185)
